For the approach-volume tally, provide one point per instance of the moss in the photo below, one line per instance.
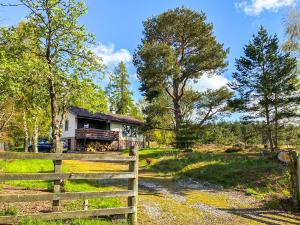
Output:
(10, 211)
(217, 200)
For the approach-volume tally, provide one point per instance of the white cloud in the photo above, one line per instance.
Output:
(255, 7)
(209, 82)
(110, 55)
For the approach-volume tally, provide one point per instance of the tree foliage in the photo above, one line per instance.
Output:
(177, 47)
(64, 48)
(118, 91)
(266, 83)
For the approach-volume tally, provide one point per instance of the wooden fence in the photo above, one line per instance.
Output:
(295, 178)
(57, 176)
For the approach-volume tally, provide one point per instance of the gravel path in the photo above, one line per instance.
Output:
(163, 201)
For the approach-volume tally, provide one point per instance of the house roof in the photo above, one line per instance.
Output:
(81, 112)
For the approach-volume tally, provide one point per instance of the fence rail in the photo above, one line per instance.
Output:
(57, 176)
(68, 156)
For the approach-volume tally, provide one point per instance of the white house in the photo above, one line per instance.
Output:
(82, 128)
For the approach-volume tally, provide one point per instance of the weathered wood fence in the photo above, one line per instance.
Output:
(295, 178)
(57, 176)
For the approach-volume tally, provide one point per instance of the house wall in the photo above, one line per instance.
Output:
(72, 126)
(125, 141)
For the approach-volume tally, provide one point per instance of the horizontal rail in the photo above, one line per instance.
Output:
(67, 215)
(63, 196)
(91, 133)
(64, 176)
(67, 156)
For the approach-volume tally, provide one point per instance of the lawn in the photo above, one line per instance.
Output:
(44, 166)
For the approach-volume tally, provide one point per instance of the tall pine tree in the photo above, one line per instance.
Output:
(266, 84)
(118, 92)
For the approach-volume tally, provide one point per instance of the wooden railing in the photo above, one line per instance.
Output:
(96, 134)
(58, 177)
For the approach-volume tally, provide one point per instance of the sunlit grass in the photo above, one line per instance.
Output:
(257, 176)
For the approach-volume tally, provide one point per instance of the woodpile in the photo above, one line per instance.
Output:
(99, 146)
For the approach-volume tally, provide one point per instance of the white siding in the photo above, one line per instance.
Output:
(72, 126)
(119, 127)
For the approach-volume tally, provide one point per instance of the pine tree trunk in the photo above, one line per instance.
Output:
(269, 128)
(25, 128)
(177, 114)
(276, 125)
(276, 135)
(35, 135)
(177, 110)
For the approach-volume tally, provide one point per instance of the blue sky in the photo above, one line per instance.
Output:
(117, 25)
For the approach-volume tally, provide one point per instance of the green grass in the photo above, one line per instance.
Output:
(10, 211)
(44, 166)
(258, 176)
(28, 166)
(72, 222)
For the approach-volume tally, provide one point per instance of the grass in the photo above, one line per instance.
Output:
(10, 211)
(254, 175)
(71, 222)
(258, 176)
(44, 166)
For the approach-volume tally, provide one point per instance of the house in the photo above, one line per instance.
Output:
(84, 130)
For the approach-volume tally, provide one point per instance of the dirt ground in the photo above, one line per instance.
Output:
(187, 202)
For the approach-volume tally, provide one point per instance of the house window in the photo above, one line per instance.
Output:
(66, 125)
(129, 131)
(126, 131)
(133, 132)
(86, 125)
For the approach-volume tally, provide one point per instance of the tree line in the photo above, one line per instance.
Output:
(47, 65)
(178, 47)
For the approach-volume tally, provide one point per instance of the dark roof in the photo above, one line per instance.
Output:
(80, 112)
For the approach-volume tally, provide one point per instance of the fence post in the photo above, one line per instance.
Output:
(133, 184)
(298, 179)
(57, 183)
(295, 178)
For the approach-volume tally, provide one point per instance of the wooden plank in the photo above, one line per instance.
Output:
(67, 215)
(133, 185)
(63, 196)
(65, 176)
(67, 156)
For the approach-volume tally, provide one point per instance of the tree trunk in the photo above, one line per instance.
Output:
(276, 135)
(269, 128)
(276, 125)
(26, 141)
(63, 116)
(35, 135)
(177, 110)
(54, 115)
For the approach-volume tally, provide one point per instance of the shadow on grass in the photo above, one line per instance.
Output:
(265, 216)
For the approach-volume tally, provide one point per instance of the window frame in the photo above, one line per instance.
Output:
(67, 123)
